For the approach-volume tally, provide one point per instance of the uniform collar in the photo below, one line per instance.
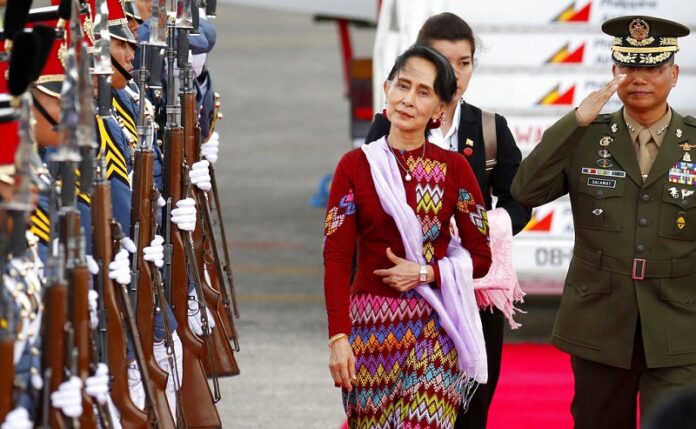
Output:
(657, 130)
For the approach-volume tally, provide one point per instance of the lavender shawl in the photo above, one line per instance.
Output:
(454, 302)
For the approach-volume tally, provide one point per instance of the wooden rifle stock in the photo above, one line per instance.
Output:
(225, 363)
(56, 300)
(199, 409)
(8, 372)
(141, 210)
(78, 277)
(132, 417)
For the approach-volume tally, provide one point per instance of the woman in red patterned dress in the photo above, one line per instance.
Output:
(405, 337)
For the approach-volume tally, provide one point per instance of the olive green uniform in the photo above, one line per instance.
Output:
(633, 270)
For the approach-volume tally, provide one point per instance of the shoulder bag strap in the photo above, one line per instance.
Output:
(490, 140)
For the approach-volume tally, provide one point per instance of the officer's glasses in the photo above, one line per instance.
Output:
(649, 71)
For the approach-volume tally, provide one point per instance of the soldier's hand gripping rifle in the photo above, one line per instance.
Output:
(198, 406)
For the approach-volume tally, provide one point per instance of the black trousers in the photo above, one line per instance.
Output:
(476, 416)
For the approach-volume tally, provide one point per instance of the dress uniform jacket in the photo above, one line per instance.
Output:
(634, 259)
(508, 156)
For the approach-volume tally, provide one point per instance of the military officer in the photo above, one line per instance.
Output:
(628, 309)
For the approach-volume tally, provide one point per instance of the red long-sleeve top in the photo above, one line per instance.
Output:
(442, 185)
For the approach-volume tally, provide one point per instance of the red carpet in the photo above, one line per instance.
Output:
(534, 390)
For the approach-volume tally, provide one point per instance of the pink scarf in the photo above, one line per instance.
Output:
(500, 288)
(454, 302)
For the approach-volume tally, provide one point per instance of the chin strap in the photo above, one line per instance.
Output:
(44, 112)
(121, 70)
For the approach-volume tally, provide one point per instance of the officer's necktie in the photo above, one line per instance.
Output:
(644, 160)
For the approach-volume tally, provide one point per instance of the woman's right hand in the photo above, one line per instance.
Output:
(342, 364)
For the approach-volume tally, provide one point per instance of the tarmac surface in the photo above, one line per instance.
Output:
(285, 126)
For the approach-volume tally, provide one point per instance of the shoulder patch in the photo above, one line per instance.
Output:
(690, 120)
(603, 118)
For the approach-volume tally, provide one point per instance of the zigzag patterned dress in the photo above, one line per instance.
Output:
(407, 373)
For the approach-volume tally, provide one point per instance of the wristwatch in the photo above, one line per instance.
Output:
(423, 273)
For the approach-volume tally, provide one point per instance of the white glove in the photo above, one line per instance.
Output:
(17, 419)
(92, 265)
(155, 251)
(36, 381)
(92, 297)
(119, 269)
(97, 386)
(200, 175)
(194, 317)
(184, 215)
(210, 149)
(135, 385)
(161, 202)
(197, 62)
(68, 397)
(127, 243)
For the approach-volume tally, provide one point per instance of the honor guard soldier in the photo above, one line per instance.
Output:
(628, 309)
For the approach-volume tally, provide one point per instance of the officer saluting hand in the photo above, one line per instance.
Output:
(629, 305)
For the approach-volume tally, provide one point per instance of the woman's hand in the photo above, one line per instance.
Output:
(403, 276)
(342, 364)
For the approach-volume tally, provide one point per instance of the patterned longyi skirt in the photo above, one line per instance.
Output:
(406, 364)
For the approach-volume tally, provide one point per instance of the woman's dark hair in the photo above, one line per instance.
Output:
(445, 85)
(446, 26)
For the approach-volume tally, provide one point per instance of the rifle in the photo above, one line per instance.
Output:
(94, 343)
(228, 289)
(132, 417)
(221, 361)
(143, 232)
(55, 319)
(7, 340)
(153, 413)
(134, 334)
(199, 409)
(72, 235)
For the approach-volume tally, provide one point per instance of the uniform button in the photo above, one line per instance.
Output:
(640, 248)
(599, 193)
(685, 203)
(645, 198)
(583, 288)
(643, 222)
(686, 301)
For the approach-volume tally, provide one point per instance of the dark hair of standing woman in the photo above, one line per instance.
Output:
(446, 26)
(445, 85)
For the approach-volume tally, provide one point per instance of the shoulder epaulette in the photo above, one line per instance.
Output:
(690, 120)
(603, 118)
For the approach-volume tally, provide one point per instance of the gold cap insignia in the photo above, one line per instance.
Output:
(639, 29)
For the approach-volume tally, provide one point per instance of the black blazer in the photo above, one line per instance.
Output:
(509, 157)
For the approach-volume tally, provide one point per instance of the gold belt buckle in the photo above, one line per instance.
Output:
(638, 271)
